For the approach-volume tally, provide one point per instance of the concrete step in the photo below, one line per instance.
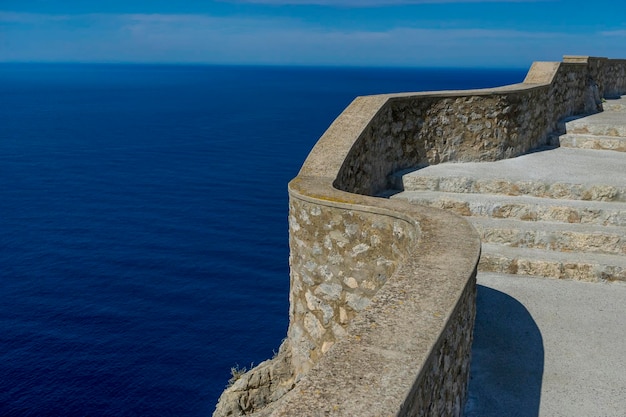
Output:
(586, 141)
(522, 207)
(562, 265)
(559, 173)
(561, 237)
(607, 123)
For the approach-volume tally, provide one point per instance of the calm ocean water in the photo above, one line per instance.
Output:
(143, 224)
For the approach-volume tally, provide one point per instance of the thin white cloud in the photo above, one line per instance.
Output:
(372, 3)
(616, 33)
(30, 18)
(253, 40)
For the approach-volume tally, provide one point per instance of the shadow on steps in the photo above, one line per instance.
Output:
(507, 358)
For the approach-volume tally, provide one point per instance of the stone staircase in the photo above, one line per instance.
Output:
(558, 212)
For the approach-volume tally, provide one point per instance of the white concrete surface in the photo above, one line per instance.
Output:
(548, 348)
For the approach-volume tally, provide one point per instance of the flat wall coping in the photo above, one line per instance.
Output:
(390, 348)
(388, 344)
(331, 150)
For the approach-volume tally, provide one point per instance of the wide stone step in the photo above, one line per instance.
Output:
(544, 189)
(562, 265)
(607, 123)
(588, 238)
(559, 173)
(522, 207)
(586, 141)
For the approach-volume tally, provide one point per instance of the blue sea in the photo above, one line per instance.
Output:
(143, 224)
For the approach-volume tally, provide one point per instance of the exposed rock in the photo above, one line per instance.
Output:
(258, 387)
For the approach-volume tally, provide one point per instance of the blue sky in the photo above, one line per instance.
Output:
(474, 33)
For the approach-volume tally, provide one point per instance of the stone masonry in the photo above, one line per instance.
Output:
(559, 212)
(340, 259)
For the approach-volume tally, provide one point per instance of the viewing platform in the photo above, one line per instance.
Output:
(492, 280)
(544, 344)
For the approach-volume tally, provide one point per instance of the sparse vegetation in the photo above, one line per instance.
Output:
(235, 373)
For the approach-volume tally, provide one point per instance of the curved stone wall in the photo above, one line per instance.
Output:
(383, 292)
(418, 129)
(340, 258)
(407, 352)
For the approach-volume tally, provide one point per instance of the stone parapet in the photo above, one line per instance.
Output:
(382, 305)
(382, 291)
(401, 131)
(408, 352)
